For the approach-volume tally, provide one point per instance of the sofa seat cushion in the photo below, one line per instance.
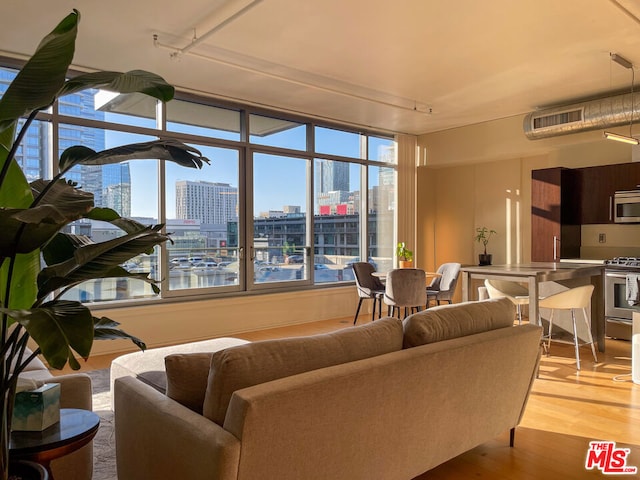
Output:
(259, 362)
(149, 366)
(458, 320)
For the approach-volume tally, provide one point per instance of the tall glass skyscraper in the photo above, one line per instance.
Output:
(333, 176)
(110, 184)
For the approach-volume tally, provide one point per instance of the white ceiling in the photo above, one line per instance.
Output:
(373, 63)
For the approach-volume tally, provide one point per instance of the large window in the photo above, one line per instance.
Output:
(286, 202)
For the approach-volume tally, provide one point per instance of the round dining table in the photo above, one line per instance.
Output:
(427, 275)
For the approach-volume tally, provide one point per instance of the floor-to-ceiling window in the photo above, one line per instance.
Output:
(287, 202)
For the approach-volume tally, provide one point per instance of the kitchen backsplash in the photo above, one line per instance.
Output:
(610, 240)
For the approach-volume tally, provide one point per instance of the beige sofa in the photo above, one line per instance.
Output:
(386, 400)
(75, 392)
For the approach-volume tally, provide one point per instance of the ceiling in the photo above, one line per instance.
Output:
(411, 66)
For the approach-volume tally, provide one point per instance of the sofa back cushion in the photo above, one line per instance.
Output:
(259, 362)
(450, 321)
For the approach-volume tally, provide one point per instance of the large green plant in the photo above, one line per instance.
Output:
(32, 217)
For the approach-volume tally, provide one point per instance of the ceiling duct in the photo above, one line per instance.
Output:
(581, 117)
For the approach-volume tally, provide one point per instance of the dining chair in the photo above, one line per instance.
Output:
(368, 286)
(405, 288)
(516, 292)
(443, 286)
(572, 299)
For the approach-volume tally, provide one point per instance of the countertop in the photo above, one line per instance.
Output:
(543, 271)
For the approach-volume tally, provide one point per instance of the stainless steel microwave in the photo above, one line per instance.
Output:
(626, 206)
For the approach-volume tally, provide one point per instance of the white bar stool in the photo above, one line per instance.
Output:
(517, 293)
(578, 297)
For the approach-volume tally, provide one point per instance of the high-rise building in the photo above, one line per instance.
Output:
(88, 177)
(331, 186)
(110, 184)
(209, 202)
(331, 176)
(33, 153)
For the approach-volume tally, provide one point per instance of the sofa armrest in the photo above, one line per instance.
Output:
(75, 390)
(156, 437)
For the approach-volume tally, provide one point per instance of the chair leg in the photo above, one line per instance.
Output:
(373, 312)
(512, 436)
(575, 338)
(593, 348)
(519, 308)
(379, 307)
(355, 319)
(549, 336)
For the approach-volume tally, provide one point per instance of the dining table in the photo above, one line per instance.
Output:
(427, 275)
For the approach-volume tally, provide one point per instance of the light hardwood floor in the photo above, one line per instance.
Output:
(566, 410)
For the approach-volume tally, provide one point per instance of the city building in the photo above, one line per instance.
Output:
(110, 184)
(208, 202)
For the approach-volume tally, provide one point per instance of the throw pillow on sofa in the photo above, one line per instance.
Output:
(458, 320)
(187, 375)
(259, 362)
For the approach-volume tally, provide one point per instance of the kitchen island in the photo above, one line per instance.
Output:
(533, 274)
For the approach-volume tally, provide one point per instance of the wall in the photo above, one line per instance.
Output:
(481, 176)
(620, 241)
(180, 322)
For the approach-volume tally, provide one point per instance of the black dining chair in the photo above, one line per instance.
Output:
(368, 286)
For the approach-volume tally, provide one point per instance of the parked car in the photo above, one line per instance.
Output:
(205, 266)
(268, 268)
(179, 261)
(295, 259)
(320, 266)
(350, 263)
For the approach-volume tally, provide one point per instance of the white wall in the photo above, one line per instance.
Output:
(481, 176)
(170, 323)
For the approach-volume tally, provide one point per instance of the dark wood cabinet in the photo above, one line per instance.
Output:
(555, 214)
(598, 186)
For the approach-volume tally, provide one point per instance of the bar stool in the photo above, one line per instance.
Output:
(517, 293)
(579, 297)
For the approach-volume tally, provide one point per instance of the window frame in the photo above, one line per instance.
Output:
(54, 118)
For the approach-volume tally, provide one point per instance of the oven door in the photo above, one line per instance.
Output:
(615, 304)
(618, 312)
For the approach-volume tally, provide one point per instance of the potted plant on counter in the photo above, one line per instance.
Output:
(405, 256)
(483, 234)
(38, 262)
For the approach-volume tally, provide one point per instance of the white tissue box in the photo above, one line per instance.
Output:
(36, 410)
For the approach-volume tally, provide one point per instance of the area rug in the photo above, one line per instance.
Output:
(104, 446)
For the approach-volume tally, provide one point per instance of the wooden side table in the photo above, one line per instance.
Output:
(75, 429)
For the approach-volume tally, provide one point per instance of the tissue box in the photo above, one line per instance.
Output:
(35, 410)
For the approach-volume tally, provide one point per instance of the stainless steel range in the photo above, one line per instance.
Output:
(618, 312)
